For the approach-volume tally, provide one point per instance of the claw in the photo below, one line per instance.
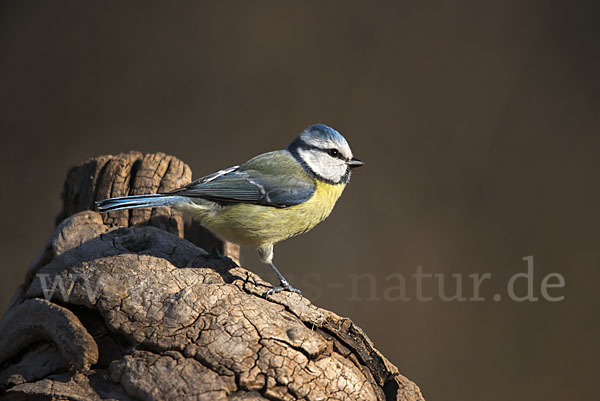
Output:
(216, 254)
(282, 287)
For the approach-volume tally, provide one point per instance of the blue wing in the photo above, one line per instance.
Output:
(272, 179)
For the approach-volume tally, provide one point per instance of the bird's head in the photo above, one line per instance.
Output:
(325, 153)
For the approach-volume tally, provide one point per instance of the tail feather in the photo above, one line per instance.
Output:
(135, 201)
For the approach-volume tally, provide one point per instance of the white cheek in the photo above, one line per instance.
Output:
(323, 165)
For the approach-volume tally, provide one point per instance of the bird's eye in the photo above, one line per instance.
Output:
(333, 152)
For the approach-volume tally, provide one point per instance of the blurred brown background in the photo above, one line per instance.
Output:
(478, 120)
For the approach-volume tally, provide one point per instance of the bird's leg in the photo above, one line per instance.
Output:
(266, 255)
(216, 254)
(284, 285)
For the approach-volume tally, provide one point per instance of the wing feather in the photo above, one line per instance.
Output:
(275, 182)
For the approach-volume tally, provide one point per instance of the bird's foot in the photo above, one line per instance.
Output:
(284, 286)
(216, 254)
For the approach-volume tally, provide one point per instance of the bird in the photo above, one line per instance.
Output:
(271, 197)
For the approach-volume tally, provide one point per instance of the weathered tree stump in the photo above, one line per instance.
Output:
(122, 307)
(134, 173)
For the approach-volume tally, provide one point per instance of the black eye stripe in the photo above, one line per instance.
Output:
(303, 145)
(334, 153)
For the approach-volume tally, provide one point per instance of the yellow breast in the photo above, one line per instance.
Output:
(258, 226)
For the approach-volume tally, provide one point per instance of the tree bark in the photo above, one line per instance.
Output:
(129, 306)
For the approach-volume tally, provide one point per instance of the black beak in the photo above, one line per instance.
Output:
(354, 162)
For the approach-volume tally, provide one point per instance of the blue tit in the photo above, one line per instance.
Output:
(269, 198)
